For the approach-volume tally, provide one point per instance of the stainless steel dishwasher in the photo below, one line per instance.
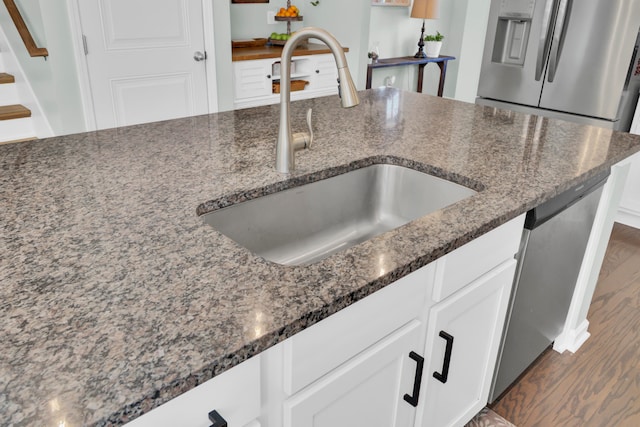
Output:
(553, 243)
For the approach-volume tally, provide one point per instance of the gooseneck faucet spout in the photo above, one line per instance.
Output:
(288, 143)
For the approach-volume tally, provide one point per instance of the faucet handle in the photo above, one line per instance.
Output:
(310, 127)
(302, 140)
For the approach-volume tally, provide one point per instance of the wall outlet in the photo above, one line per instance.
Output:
(271, 17)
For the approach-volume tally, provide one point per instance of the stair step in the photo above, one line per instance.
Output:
(8, 112)
(17, 129)
(6, 78)
(9, 94)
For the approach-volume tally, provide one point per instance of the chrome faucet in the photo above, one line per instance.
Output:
(288, 143)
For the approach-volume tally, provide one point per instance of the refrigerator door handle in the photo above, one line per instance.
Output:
(545, 39)
(558, 37)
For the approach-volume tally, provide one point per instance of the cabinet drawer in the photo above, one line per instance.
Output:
(472, 260)
(235, 394)
(321, 348)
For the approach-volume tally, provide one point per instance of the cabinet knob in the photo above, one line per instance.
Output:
(317, 71)
(268, 76)
(216, 419)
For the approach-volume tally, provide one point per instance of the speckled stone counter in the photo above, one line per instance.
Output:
(115, 297)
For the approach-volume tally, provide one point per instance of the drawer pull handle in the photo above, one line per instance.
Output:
(413, 400)
(442, 377)
(217, 419)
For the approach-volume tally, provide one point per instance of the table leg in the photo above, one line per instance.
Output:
(369, 76)
(443, 74)
(420, 75)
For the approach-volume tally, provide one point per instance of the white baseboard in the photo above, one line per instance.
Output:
(630, 217)
(572, 339)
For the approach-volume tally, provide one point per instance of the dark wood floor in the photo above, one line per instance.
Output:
(600, 384)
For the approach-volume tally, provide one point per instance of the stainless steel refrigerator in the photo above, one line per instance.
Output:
(569, 59)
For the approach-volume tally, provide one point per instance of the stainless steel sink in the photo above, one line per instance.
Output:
(305, 224)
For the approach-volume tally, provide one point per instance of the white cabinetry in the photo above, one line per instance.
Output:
(629, 209)
(344, 376)
(464, 333)
(364, 392)
(253, 79)
(419, 352)
(234, 395)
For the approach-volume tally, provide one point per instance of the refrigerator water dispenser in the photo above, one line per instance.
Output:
(512, 32)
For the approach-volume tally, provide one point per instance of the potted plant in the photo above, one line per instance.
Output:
(433, 43)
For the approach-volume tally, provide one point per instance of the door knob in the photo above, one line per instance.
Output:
(199, 56)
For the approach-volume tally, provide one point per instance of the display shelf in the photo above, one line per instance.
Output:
(288, 18)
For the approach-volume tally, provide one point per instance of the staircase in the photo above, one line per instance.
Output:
(15, 119)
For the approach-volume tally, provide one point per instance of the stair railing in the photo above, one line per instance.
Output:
(23, 30)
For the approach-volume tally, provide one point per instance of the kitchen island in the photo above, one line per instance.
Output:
(115, 297)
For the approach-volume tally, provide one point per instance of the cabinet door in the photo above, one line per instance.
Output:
(326, 74)
(367, 391)
(252, 78)
(463, 336)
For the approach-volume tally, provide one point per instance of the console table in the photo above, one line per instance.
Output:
(410, 60)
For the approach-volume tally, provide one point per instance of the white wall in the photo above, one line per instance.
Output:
(361, 27)
(224, 70)
(250, 19)
(54, 81)
(355, 23)
(397, 34)
(348, 21)
(463, 23)
(469, 25)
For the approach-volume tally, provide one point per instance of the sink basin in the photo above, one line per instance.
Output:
(305, 224)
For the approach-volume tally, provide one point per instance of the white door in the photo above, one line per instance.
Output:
(367, 391)
(464, 334)
(141, 59)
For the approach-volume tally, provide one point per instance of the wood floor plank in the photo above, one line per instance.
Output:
(600, 384)
(559, 418)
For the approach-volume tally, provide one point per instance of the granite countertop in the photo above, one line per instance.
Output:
(115, 297)
(268, 51)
